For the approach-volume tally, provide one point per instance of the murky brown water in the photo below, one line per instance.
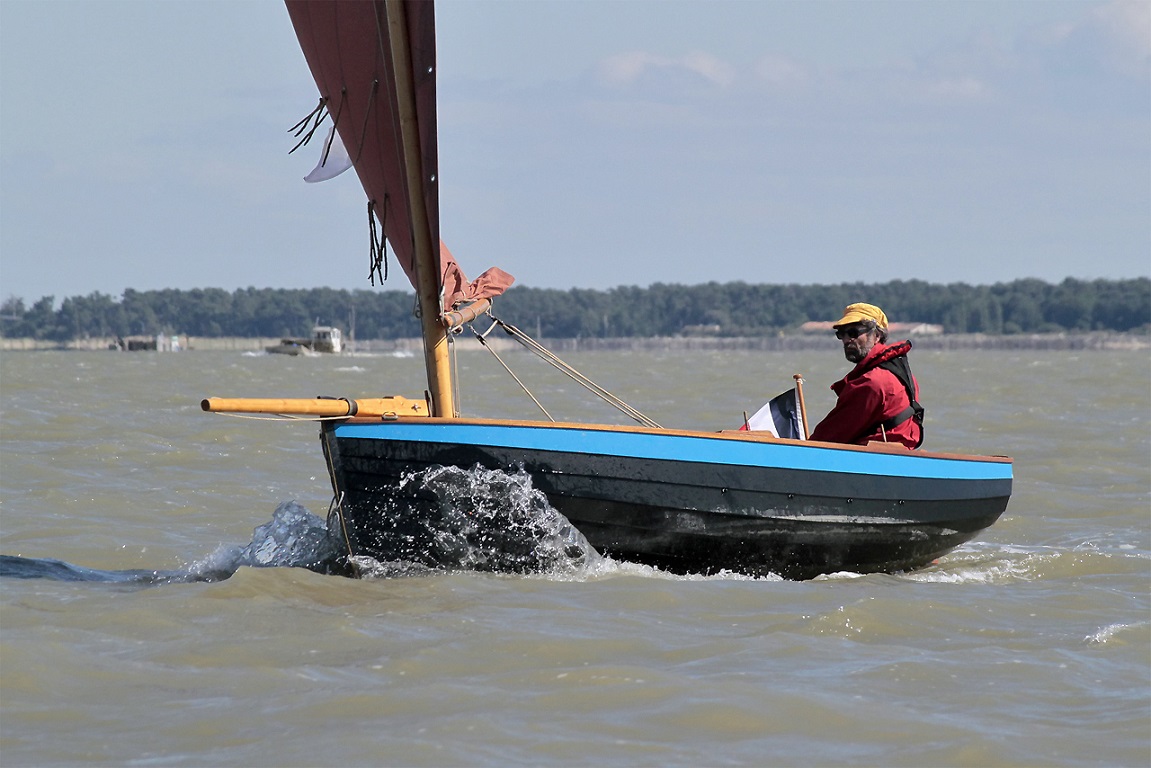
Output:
(1029, 646)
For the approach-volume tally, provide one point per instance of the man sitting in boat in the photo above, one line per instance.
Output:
(878, 400)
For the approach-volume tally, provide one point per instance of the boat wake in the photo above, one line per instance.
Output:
(294, 537)
(487, 521)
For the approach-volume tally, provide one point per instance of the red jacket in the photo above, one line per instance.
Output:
(868, 396)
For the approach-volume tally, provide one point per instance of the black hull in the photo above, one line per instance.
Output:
(681, 515)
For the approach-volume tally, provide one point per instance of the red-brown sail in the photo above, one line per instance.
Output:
(350, 53)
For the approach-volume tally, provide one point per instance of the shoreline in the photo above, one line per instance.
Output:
(1096, 340)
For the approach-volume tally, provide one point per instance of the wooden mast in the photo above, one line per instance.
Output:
(425, 252)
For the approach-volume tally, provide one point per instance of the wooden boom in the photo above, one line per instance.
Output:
(382, 407)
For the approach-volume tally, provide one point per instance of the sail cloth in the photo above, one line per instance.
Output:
(349, 52)
(780, 416)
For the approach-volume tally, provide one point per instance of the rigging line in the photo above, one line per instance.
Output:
(337, 503)
(583, 380)
(335, 126)
(375, 82)
(367, 119)
(553, 360)
(559, 364)
(484, 343)
(337, 497)
(384, 237)
(280, 417)
(384, 49)
(486, 333)
(455, 377)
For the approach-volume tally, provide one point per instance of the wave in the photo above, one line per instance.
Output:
(996, 563)
(490, 521)
(294, 537)
(1112, 631)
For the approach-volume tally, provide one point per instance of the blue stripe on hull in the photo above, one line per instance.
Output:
(677, 447)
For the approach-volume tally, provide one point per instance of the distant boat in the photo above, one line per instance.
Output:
(325, 340)
(158, 343)
(685, 500)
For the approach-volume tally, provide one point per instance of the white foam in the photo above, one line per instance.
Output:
(1107, 633)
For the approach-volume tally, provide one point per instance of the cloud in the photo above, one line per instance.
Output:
(782, 71)
(1126, 24)
(629, 67)
(709, 67)
(957, 88)
(1112, 39)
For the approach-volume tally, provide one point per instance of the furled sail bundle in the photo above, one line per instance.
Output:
(374, 63)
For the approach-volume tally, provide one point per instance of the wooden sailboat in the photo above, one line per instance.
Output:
(687, 501)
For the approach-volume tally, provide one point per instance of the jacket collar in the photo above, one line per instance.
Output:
(879, 355)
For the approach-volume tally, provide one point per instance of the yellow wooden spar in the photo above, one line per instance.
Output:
(436, 359)
(331, 407)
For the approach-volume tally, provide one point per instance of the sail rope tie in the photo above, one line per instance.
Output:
(299, 126)
(553, 360)
(315, 117)
(378, 256)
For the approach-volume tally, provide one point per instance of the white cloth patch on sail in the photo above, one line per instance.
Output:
(780, 416)
(366, 84)
(334, 159)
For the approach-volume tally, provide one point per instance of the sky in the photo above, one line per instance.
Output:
(591, 144)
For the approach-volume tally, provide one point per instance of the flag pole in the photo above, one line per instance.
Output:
(802, 405)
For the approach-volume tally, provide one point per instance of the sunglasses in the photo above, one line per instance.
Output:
(853, 332)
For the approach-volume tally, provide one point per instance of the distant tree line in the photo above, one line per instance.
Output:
(727, 309)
